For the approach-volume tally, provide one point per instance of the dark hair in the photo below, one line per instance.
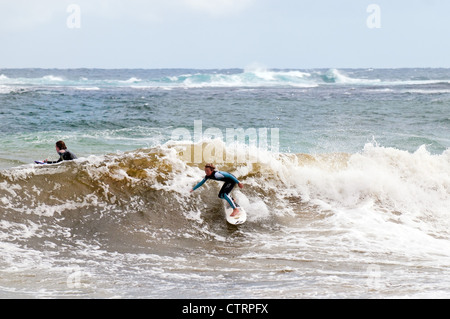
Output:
(61, 145)
(211, 166)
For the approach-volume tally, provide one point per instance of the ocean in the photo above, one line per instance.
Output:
(346, 177)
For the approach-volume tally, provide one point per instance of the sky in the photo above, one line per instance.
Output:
(218, 34)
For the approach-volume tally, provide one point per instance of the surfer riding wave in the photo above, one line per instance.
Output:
(229, 180)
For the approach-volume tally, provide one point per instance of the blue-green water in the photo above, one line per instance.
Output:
(317, 111)
(350, 198)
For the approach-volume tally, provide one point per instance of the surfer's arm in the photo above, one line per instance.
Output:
(199, 184)
(54, 162)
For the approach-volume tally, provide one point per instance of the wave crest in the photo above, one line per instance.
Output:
(387, 179)
(253, 76)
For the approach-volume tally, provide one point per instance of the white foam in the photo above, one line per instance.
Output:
(93, 88)
(4, 89)
(343, 79)
(131, 80)
(255, 207)
(385, 198)
(425, 91)
(52, 78)
(251, 77)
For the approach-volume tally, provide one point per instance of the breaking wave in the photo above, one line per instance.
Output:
(146, 193)
(249, 77)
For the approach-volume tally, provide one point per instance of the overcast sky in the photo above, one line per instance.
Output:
(224, 33)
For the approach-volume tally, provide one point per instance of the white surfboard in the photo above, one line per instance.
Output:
(236, 220)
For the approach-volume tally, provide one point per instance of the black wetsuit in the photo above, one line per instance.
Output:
(66, 156)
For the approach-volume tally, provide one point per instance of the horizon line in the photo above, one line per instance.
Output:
(218, 68)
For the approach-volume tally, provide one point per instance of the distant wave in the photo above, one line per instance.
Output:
(335, 76)
(249, 77)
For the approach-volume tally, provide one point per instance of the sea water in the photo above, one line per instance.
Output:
(347, 183)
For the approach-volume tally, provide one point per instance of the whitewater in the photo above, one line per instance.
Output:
(353, 202)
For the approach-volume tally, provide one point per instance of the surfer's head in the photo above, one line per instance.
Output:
(209, 169)
(60, 145)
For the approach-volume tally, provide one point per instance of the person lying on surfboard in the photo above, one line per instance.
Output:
(64, 153)
(230, 181)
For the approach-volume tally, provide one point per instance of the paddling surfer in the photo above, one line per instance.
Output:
(64, 153)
